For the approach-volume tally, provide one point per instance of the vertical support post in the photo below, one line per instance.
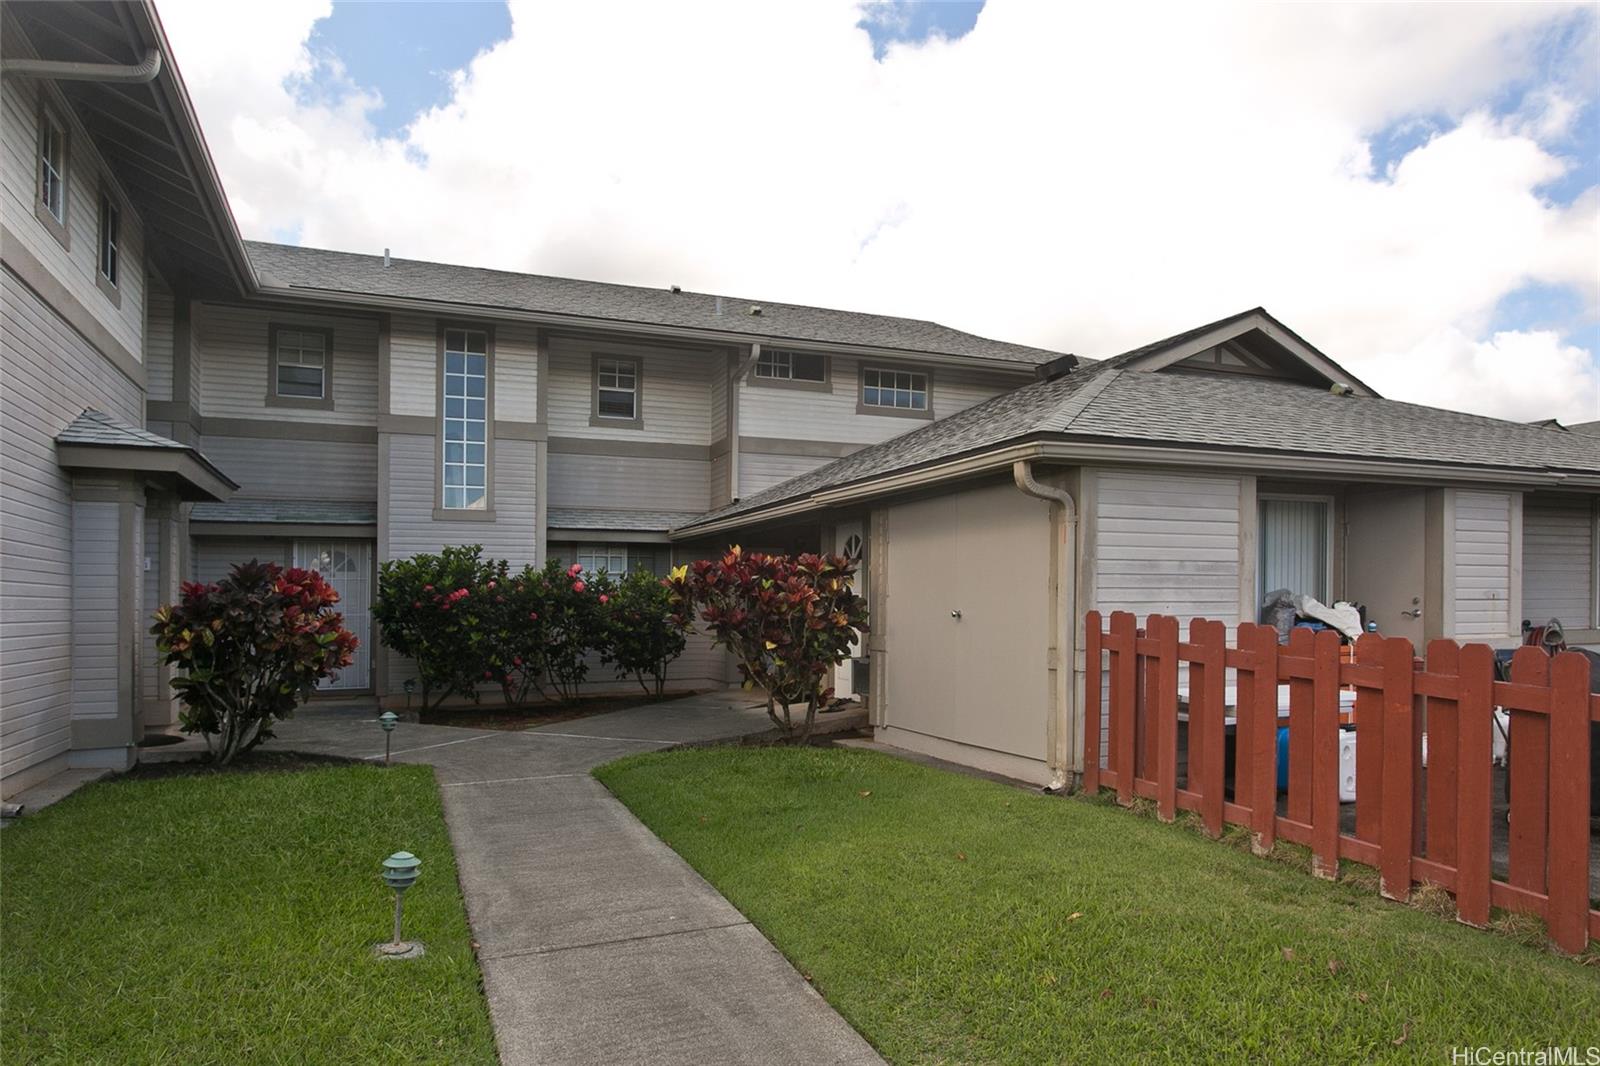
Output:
(1165, 629)
(1264, 738)
(1302, 716)
(1207, 719)
(1394, 861)
(1124, 678)
(398, 897)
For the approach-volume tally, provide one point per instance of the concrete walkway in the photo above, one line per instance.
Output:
(598, 943)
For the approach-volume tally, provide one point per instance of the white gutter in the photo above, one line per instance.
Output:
(138, 73)
(1061, 726)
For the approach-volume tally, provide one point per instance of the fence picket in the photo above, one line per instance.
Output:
(1528, 766)
(1300, 729)
(1207, 681)
(1165, 709)
(1443, 717)
(1568, 916)
(1263, 749)
(1125, 678)
(1394, 862)
(1325, 755)
(1090, 713)
(1369, 744)
(1474, 780)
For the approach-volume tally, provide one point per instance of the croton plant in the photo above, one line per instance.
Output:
(250, 648)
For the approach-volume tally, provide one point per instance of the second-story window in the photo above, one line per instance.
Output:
(900, 390)
(616, 389)
(466, 419)
(52, 167)
(302, 364)
(110, 235)
(791, 366)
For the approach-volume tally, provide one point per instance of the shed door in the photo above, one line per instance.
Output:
(347, 566)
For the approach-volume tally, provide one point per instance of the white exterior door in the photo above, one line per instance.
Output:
(347, 566)
(849, 540)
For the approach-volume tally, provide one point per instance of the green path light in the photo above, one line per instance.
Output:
(400, 872)
(387, 719)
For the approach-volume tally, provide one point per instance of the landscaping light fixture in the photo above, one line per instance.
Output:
(410, 686)
(387, 719)
(400, 872)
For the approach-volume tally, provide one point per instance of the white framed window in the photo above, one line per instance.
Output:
(110, 235)
(898, 390)
(616, 389)
(612, 558)
(466, 419)
(1294, 542)
(302, 364)
(779, 365)
(52, 167)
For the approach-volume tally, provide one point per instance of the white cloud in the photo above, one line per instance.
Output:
(1061, 175)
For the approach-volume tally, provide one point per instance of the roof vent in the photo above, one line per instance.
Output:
(1339, 388)
(755, 310)
(1055, 368)
(386, 259)
(719, 307)
(676, 289)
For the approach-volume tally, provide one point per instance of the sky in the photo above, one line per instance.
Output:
(1415, 189)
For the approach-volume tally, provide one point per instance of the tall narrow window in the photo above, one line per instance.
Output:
(616, 389)
(110, 234)
(52, 167)
(466, 419)
(302, 361)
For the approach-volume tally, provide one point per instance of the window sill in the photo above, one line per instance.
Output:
(461, 514)
(304, 403)
(601, 422)
(893, 412)
(58, 228)
(109, 288)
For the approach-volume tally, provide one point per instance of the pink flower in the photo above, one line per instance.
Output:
(491, 584)
(578, 586)
(533, 616)
(486, 673)
(427, 588)
(574, 570)
(604, 598)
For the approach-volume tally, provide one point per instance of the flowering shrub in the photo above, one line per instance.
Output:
(643, 637)
(788, 620)
(251, 647)
(431, 609)
(573, 624)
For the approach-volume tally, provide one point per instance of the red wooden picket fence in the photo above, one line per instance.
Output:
(1415, 825)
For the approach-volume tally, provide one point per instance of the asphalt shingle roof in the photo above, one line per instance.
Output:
(298, 512)
(98, 428)
(345, 272)
(1101, 401)
(630, 521)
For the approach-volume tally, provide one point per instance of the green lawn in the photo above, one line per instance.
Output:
(952, 919)
(229, 918)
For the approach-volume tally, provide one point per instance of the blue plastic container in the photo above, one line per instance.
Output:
(1283, 758)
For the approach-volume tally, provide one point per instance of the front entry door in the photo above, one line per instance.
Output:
(849, 540)
(347, 566)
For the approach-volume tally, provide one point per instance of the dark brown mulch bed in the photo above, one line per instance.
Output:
(516, 719)
(261, 760)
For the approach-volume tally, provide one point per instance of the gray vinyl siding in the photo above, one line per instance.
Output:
(158, 341)
(1481, 556)
(410, 522)
(516, 373)
(94, 609)
(675, 391)
(74, 267)
(719, 473)
(48, 375)
(766, 411)
(237, 379)
(413, 366)
(758, 471)
(213, 557)
(266, 468)
(618, 482)
(1167, 544)
(1558, 540)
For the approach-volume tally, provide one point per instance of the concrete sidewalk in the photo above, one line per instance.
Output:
(598, 943)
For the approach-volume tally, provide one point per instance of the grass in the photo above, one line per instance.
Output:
(229, 917)
(952, 919)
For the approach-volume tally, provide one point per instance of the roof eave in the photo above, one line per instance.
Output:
(193, 475)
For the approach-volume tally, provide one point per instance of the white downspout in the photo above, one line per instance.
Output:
(68, 70)
(1063, 721)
